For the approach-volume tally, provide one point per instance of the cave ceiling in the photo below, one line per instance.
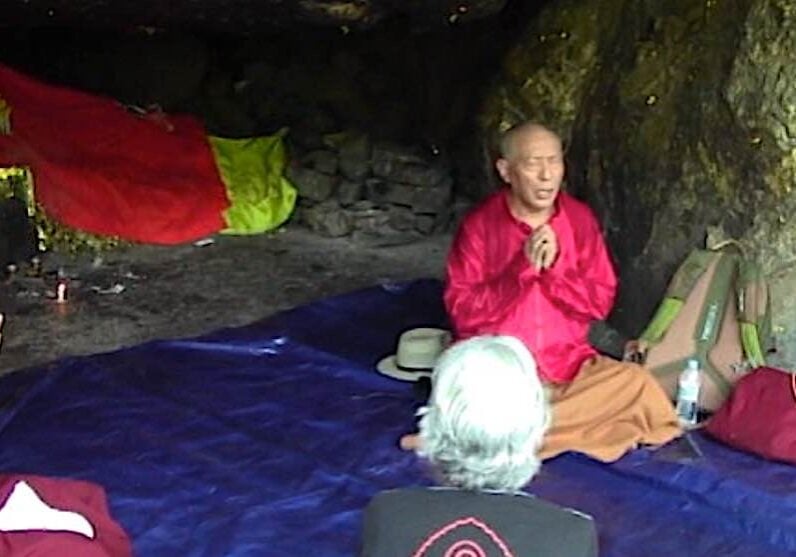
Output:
(242, 16)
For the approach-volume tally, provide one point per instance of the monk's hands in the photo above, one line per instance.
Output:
(636, 351)
(541, 248)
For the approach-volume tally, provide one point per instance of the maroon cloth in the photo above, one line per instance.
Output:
(67, 495)
(492, 288)
(760, 415)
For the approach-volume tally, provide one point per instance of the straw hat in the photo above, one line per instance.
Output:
(417, 352)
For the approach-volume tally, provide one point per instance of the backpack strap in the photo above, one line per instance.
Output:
(754, 312)
(719, 293)
(679, 288)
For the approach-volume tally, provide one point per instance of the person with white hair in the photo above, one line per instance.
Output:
(480, 432)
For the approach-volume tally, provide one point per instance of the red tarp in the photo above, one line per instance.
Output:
(99, 168)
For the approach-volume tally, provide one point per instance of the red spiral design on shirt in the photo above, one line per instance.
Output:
(465, 548)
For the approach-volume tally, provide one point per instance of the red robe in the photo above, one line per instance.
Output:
(492, 288)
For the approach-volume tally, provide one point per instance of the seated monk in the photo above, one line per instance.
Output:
(530, 261)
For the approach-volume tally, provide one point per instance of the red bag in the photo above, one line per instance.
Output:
(760, 415)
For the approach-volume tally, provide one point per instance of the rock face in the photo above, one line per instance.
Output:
(240, 16)
(680, 120)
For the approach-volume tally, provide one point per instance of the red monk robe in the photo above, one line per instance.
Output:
(493, 289)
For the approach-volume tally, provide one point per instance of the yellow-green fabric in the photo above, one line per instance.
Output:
(252, 169)
(752, 348)
(664, 315)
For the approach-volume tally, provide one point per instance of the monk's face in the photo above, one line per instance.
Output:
(534, 169)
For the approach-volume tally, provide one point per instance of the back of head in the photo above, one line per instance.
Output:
(487, 415)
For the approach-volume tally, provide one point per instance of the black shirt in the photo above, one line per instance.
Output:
(420, 522)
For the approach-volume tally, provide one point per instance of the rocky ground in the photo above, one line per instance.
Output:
(140, 293)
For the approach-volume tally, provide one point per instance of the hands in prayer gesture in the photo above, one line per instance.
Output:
(541, 248)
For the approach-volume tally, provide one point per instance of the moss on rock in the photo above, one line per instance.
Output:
(681, 117)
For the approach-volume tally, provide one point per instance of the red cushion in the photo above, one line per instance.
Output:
(760, 415)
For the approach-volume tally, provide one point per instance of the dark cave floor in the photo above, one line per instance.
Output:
(140, 293)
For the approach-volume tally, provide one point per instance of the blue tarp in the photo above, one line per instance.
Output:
(269, 440)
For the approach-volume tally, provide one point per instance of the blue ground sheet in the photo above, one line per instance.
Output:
(270, 439)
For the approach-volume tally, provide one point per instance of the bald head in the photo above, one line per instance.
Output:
(520, 132)
(532, 164)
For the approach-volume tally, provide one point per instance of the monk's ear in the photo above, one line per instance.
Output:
(502, 166)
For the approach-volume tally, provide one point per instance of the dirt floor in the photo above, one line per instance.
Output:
(140, 293)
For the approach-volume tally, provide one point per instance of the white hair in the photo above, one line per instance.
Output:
(486, 416)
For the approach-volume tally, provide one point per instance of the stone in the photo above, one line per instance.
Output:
(408, 165)
(301, 138)
(328, 218)
(311, 184)
(420, 199)
(371, 220)
(458, 209)
(444, 220)
(349, 192)
(364, 205)
(401, 218)
(355, 152)
(387, 154)
(322, 161)
(390, 226)
(410, 173)
(425, 223)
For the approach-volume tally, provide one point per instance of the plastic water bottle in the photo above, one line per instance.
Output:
(688, 394)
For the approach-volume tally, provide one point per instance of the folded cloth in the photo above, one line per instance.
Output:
(48, 517)
(24, 510)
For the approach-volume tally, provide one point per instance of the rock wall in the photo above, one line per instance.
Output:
(380, 193)
(680, 123)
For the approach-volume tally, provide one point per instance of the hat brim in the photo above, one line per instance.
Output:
(387, 366)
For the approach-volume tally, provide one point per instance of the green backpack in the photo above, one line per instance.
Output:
(717, 310)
